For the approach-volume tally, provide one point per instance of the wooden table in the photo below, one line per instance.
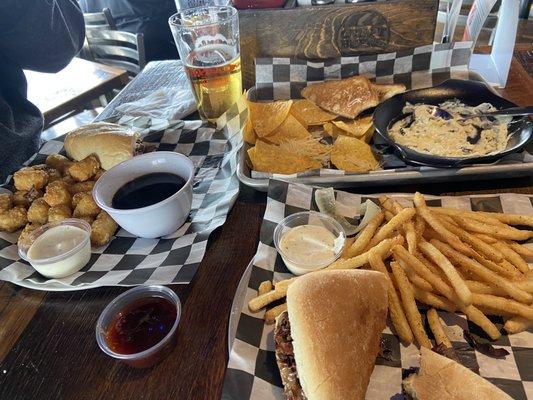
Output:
(71, 88)
(47, 344)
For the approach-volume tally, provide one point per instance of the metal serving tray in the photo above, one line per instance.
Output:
(498, 170)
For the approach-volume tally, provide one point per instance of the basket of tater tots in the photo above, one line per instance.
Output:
(61, 188)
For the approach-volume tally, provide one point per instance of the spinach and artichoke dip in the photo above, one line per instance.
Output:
(425, 133)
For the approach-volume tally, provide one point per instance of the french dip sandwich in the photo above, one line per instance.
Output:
(442, 378)
(328, 339)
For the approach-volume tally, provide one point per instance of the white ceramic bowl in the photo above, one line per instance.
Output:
(159, 219)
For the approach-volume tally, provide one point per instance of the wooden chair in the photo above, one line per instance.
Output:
(117, 48)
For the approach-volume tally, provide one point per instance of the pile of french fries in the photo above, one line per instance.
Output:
(447, 259)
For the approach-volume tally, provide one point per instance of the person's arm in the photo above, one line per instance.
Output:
(41, 35)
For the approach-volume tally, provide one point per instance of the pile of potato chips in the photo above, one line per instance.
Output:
(324, 129)
(290, 136)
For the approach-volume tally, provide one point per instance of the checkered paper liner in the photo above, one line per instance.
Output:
(128, 260)
(416, 68)
(252, 372)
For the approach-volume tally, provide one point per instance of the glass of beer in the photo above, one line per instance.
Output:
(208, 44)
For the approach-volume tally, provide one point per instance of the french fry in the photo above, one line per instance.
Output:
(524, 251)
(388, 215)
(481, 320)
(284, 284)
(510, 270)
(477, 244)
(396, 312)
(435, 223)
(420, 226)
(483, 273)
(465, 214)
(272, 314)
(387, 230)
(517, 325)
(483, 288)
(502, 232)
(437, 329)
(429, 264)
(433, 300)
(264, 287)
(364, 237)
(259, 302)
(382, 248)
(416, 280)
(486, 238)
(409, 303)
(447, 267)
(503, 304)
(400, 253)
(347, 244)
(512, 256)
(409, 230)
(511, 219)
(525, 285)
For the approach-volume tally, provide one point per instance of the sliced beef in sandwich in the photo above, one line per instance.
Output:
(328, 340)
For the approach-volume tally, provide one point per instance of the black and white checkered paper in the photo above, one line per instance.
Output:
(252, 373)
(128, 260)
(416, 68)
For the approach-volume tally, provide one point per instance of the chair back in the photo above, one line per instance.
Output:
(117, 48)
(100, 20)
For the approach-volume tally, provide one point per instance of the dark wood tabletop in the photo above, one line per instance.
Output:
(47, 340)
(71, 88)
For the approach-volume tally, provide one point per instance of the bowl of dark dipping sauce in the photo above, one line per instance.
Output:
(139, 326)
(149, 195)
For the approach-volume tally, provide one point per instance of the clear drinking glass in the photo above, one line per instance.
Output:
(208, 44)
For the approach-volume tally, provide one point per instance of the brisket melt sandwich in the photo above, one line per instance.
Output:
(328, 340)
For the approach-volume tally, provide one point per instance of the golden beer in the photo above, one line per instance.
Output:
(215, 75)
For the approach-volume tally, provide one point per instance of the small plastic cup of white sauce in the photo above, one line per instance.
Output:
(308, 240)
(58, 249)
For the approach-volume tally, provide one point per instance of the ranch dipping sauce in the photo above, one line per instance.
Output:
(305, 248)
(60, 251)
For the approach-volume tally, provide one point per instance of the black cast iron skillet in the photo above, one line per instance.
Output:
(471, 93)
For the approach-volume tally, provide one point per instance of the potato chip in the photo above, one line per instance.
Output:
(356, 128)
(353, 155)
(332, 130)
(248, 134)
(290, 129)
(308, 113)
(266, 117)
(346, 97)
(271, 158)
(311, 147)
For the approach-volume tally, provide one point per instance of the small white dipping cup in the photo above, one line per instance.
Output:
(159, 219)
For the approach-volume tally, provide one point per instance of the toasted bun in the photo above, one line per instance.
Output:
(442, 378)
(346, 97)
(112, 143)
(336, 322)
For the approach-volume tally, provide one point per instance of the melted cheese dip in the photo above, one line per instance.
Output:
(428, 134)
(305, 248)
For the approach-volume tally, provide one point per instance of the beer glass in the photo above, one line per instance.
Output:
(208, 44)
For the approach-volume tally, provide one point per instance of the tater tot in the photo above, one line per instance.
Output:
(98, 174)
(85, 205)
(87, 219)
(53, 174)
(6, 201)
(24, 198)
(85, 169)
(38, 211)
(59, 162)
(13, 219)
(103, 229)
(78, 187)
(28, 178)
(24, 239)
(57, 193)
(59, 213)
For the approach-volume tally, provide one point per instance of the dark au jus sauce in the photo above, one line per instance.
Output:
(141, 325)
(147, 190)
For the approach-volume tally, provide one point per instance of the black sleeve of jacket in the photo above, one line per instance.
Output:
(41, 35)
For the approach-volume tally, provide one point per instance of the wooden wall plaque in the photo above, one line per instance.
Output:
(323, 32)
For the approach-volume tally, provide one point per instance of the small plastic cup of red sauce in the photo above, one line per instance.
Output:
(139, 326)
